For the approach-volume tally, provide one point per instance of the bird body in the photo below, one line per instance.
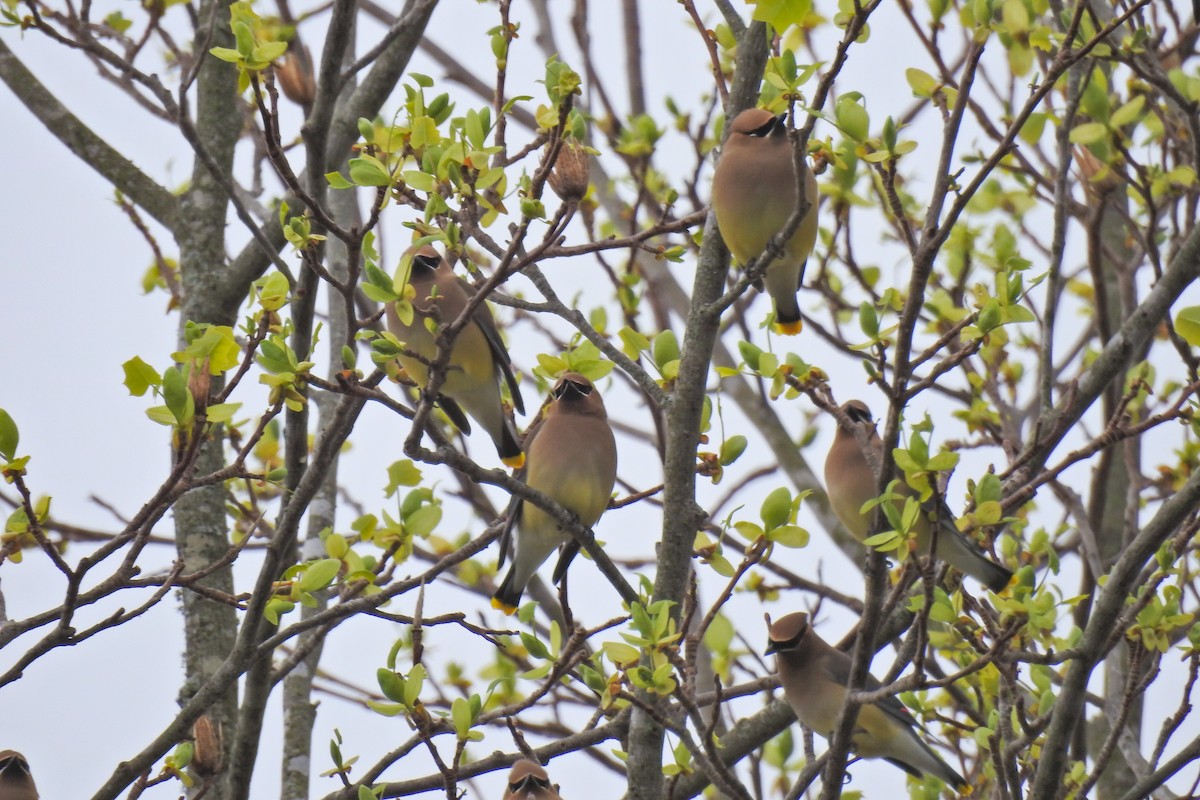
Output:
(754, 194)
(478, 358)
(851, 482)
(814, 676)
(16, 782)
(571, 457)
(528, 781)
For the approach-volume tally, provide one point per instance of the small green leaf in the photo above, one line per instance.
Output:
(776, 508)
(369, 171)
(139, 376)
(319, 574)
(732, 449)
(923, 84)
(9, 436)
(1088, 133)
(338, 181)
(620, 653)
(1128, 112)
(1187, 325)
(789, 536)
(401, 473)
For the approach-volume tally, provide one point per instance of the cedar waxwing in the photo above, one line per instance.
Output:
(528, 781)
(571, 457)
(814, 675)
(851, 483)
(478, 358)
(754, 194)
(16, 783)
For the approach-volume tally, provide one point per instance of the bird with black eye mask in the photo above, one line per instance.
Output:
(754, 193)
(571, 457)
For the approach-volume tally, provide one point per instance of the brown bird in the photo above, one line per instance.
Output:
(814, 676)
(528, 781)
(754, 194)
(571, 457)
(16, 782)
(478, 358)
(851, 482)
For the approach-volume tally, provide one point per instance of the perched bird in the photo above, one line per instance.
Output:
(571, 457)
(814, 675)
(754, 194)
(478, 358)
(528, 781)
(16, 783)
(851, 482)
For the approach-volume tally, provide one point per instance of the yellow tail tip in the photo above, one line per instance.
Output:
(500, 605)
(514, 462)
(790, 328)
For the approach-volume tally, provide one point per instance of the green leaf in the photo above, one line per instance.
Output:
(1187, 325)
(852, 118)
(460, 715)
(226, 54)
(338, 181)
(401, 473)
(789, 536)
(139, 376)
(414, 684)
(176, 394)
(1128, 112)
(777, 508)
(732, 449)
(923, 84)
(665, 348)
(424, 520)
(621, 654)
(269, 51)
(369, 171)
(9, 436)
(391, 684)
(220, 413)
(534, 645)
(319, 574)
(1088, 133)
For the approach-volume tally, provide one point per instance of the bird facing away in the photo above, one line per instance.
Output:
(528, 781)
(814, 676)
(754, 194)
(478, 358)
(851, 482)
(571, 457)
(16, 782)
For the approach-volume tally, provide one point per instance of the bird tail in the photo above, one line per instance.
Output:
(787, 315)
(509, 447)
(956, 550)
(992, 575)
(508, 596)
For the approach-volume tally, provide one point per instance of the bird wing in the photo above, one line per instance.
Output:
(454, 411)
(515, 503)
(487, 323)
(838, 670)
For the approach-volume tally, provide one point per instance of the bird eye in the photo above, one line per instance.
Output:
(428, 262)
(583, 388)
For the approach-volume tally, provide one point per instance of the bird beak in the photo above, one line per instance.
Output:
(771, 648)
(780, 123)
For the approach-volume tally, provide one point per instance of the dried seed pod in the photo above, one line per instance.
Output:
(294, 74)
(569, 177)
(206, 759)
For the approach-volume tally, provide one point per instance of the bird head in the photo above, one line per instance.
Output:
(857, 412)
(527, 778)
(786, 633)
